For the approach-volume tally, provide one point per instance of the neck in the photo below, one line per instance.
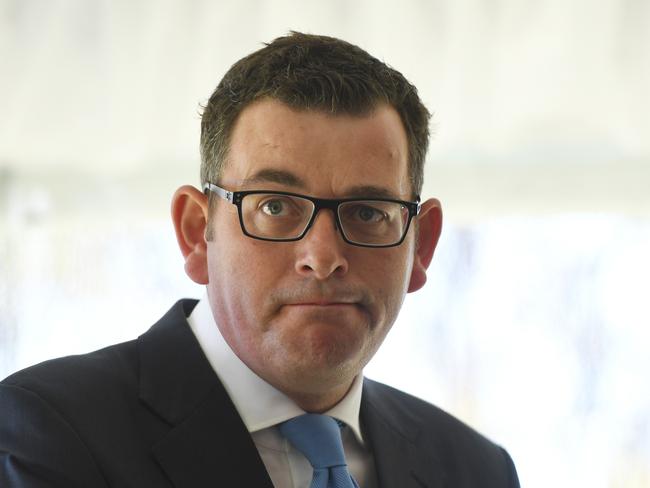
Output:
(319, 402)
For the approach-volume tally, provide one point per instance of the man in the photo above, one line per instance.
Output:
(307, 235)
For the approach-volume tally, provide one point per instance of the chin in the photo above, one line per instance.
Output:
(323, 361)
(317, 379)
(330, 345)
(318, 354)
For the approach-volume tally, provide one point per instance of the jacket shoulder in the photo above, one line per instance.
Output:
(81, 376)
(426, 416)
(54, 411)
(466, 455)
(115, 365)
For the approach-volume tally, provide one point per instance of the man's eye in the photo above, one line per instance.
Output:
(368, 214)
(273, 207)
(277, 206)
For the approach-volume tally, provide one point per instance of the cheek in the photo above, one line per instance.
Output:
(391, 268)
(390, 277)
(241, 276)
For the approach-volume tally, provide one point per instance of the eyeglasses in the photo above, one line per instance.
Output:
(283, 216)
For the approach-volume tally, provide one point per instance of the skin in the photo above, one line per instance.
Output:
(307, 316)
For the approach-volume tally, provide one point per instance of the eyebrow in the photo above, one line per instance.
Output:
(276, 176)
(371, 191)
(287, 178)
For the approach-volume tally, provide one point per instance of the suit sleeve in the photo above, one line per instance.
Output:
(38, 447)
(513, 479)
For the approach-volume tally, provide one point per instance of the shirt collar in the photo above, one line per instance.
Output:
(260, 404)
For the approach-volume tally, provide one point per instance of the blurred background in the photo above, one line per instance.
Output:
(534, 325)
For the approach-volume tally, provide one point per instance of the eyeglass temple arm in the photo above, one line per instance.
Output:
(226, 195)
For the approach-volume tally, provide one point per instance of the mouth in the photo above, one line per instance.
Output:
(330, 313)
(322, 304)
(323, 300)
(343, 311)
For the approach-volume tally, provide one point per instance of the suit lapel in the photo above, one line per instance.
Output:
(393, 434)
(208, 443)
(211, 449)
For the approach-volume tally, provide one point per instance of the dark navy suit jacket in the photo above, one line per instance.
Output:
(152, 413)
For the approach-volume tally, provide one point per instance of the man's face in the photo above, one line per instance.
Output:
(308, 315)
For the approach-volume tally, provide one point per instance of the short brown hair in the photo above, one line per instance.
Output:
(311, 72)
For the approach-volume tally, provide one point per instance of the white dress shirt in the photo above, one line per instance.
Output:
(262, 407)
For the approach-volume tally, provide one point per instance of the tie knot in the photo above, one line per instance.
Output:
(318, 437)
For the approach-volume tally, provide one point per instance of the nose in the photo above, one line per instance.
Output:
(321, 253)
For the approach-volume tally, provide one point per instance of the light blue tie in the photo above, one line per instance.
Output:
(318, 437)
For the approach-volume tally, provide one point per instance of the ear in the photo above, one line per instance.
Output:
(429, 225)
(190, 216)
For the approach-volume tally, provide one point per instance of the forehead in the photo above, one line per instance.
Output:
(273, 145)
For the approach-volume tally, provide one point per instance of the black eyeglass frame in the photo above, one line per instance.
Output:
(236, 198)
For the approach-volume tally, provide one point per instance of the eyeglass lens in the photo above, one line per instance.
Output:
(275, 216)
